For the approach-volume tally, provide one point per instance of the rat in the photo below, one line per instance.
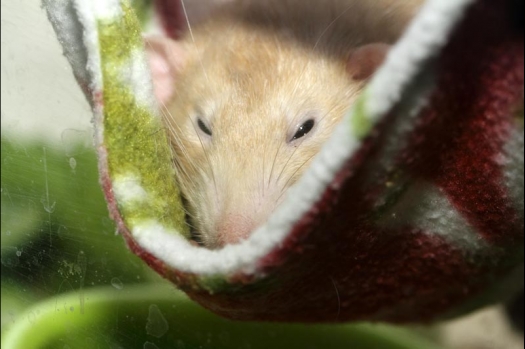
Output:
(250, 95)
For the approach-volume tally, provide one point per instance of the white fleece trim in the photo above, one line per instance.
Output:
(88, 20)
(106, 9)
(425, 35)
(128, 190)
(136, 74)
(68, 29)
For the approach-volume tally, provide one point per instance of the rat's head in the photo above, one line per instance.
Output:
(246, 114)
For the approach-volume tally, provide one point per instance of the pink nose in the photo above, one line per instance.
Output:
(234, 228)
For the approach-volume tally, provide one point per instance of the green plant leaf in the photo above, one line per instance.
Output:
(163, 317)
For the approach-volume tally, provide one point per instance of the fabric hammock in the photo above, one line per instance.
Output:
(413, 211)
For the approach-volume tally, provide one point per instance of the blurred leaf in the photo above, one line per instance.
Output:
(160, 315)
(56, 232)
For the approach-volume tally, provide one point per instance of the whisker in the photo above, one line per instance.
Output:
(321, 36)
(338, 299)
(330, 26)
(171, 131)
(283, 189)
(190, 30)
(273, 164)
(287, 162)
(293, 153)
(207, 159)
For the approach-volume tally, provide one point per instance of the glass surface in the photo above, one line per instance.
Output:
(68, 280)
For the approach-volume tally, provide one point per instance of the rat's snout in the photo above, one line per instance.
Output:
(233, 228)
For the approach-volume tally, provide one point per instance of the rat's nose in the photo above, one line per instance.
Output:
(233, 229)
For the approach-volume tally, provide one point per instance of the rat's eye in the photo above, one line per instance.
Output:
(203, 127)
(304, 129)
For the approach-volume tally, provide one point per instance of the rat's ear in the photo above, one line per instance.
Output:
(365, 60)
(166, 58)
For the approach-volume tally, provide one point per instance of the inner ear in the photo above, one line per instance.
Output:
(166, 58)
(365, 60)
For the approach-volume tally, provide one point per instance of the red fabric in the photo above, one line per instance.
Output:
(462, 133)
(337, 265)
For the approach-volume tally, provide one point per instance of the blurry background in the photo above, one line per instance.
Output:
(56, 235)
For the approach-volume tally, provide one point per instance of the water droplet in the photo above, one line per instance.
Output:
(115, 282)
(50, 208)
(72, 163)
(18, 253)
(62, 232)
(149, 345)
(156, 325)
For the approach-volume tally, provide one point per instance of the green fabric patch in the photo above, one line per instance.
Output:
(360, 121)
(133, 135)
